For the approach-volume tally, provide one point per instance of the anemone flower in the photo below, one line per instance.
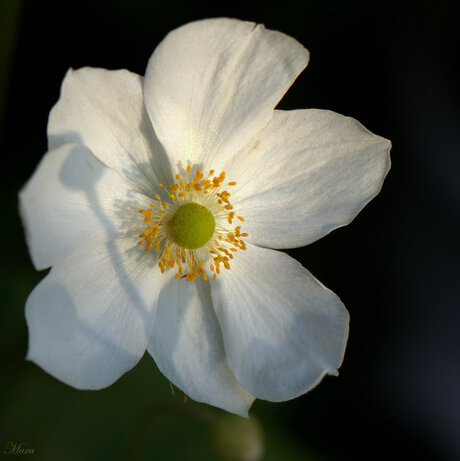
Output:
(158, 208)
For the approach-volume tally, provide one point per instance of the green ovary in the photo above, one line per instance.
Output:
(192, 226)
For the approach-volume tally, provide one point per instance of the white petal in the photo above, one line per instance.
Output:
(104, 110)
(310, 172)
(73, 201)
(187, 347)
(212, 85)
(283, 330)
(90, 319)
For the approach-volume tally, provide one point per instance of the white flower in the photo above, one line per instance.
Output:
(132, 261)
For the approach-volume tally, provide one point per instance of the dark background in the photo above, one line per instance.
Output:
(391, 65)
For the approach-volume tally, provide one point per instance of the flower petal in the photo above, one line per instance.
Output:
(104, 110)
(212, 85)
(187, 347)
(282, 330)
(315, 170)
(90, 319)
(73, 201)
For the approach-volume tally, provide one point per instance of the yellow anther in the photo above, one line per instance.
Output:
(147, 214)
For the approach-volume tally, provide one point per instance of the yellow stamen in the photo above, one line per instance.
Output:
(224, 243)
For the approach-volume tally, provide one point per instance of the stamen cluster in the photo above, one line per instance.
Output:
(227, 239)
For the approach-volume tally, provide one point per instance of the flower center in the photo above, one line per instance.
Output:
(192, 226)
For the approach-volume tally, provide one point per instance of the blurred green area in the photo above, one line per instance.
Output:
(137, 418)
